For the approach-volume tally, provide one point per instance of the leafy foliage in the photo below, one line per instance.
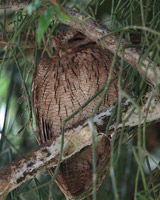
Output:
(44, 23)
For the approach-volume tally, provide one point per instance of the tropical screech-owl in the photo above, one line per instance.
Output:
(61, 84)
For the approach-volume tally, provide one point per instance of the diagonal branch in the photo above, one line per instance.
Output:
(103, 36)
(47, 155)
(42, 158)
(96, 32)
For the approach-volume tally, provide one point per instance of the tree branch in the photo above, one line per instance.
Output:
(103, 36)
(42, 158)
(96, 32)
(46, 155)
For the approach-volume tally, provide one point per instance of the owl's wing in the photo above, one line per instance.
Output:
(38, 105)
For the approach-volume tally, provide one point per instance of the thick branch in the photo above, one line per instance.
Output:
(96, 32)
(47, 155)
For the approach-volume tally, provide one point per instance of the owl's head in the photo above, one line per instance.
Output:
(70, 39)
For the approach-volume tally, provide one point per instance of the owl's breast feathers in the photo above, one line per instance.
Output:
(62, 84)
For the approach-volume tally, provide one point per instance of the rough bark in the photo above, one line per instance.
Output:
(43, 158)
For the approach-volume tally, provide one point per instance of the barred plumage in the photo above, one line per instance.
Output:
(63, 83)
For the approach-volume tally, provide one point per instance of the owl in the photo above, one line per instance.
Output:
(62, 84)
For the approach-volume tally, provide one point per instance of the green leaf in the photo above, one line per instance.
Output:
(33, 6)
(59, 14)
(44, 22)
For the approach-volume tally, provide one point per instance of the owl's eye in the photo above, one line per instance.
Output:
(77, 37)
